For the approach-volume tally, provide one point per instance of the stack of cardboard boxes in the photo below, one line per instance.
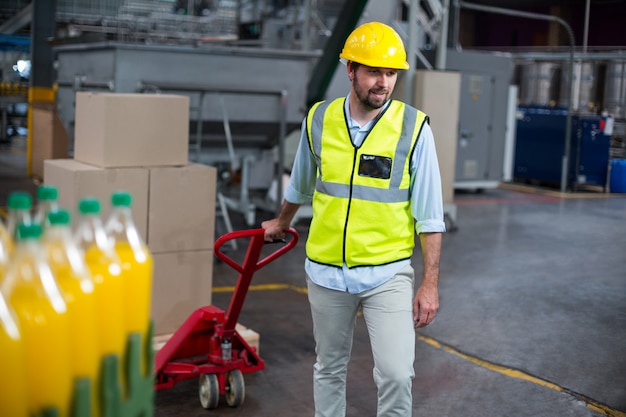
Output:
(139, 143)
(49, 137)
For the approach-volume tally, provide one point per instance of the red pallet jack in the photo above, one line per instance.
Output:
(207, 345)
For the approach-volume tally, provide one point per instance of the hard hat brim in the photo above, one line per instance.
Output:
(344, 58)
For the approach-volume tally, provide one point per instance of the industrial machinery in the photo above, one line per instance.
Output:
(596, 113)
(485, 80)
(251, 69)
(540, 146)
(14, 85)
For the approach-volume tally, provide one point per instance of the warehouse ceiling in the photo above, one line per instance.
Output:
(330, 6)
(519, 4)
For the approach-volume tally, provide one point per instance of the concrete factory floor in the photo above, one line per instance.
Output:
(532, 319)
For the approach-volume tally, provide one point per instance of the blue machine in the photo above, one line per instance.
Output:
(540, 145)
(14, 42)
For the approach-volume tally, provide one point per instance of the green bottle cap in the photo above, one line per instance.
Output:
(28, 231)
(47, 193)
(19, 201)
(89, 206)
(59, 217)
(121, 198)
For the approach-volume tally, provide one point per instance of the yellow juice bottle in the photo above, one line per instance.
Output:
(13, 394)
(105, 269)
(19, 205)
(30, 289)
(136, 261)
(78, 290)
(6, 249)
(46, 202)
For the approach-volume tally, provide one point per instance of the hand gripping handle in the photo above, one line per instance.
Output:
(257, 240)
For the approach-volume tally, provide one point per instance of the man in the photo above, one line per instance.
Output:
(368, 164)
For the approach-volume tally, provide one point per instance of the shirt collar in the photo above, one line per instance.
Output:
(352, 124)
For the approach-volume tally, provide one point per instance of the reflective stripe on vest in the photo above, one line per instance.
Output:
(361, 205)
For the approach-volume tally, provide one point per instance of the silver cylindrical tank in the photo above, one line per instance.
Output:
(538, 83)
(615, 89)
(584, 89)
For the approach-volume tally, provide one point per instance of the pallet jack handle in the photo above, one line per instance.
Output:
(250, 264)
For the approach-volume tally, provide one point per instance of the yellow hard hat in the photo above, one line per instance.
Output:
(376, 45)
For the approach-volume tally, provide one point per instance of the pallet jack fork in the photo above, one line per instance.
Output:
(207, 345)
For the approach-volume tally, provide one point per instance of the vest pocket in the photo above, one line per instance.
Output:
(375, 166)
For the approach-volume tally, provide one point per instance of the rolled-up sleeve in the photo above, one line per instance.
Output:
(426, 193)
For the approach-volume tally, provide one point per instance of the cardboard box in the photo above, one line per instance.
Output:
(182, 282)
(438, 94)
(131, 130)
(250, 336)
(182, 208)
(49, 138)
(76, 180)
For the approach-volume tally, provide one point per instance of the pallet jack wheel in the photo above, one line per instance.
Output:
(235, 388)
(209, 391)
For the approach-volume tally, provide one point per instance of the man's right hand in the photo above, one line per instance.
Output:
(273, 230)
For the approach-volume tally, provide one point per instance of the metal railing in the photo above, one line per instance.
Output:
(150, 21)
(153, 21)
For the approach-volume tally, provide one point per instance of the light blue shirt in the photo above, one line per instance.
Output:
(426, 206)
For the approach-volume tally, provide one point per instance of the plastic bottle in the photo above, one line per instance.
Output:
(78, 290)
(105, 269)
(46, 202)
(136, 261)
(19, 206)
(6, 250)
(30, 289)
(13, 397)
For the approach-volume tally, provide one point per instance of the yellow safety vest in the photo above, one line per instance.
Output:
(361, 205)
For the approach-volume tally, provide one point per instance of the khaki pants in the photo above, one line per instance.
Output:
(388, 313)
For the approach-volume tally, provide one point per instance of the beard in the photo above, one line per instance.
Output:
(367, 98)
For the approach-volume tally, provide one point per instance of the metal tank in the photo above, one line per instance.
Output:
(585, 83)
(538, 83)
(615, 89)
